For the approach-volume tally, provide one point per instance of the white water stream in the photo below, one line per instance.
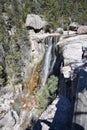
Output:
(46, 65)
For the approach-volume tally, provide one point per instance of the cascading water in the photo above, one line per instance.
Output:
(50, 58)
(46, 65)
(53, 63)
(46, 68)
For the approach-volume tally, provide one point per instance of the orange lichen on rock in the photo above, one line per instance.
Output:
(32, 85)
(29, 104)
(34, 81)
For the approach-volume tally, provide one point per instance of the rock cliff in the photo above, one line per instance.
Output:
(63, 113)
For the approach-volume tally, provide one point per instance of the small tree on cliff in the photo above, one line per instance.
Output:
(48, 92)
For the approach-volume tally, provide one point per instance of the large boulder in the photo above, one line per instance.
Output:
(82, 30)
(35, 22)
(73, 26)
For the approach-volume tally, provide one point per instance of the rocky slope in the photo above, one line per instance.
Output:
(19, 58)
(20, 107)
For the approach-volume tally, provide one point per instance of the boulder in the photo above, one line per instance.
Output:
(66, 71)
(73, 26)
(59, 30)
(82, 30)
(35, 22)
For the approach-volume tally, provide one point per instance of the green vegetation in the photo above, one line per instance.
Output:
(48, 93)
(13, 35)
(26, 10)
(14, 57)
(12, 19)
(59, 12)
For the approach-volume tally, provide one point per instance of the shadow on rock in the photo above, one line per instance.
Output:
(77, 127)
(62, 119)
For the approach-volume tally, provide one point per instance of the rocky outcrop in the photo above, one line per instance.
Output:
(56, 117)
(60, 113)
(35, 22)
(73, 26)
(37, 47)
(14, 114)
(74, 69)
(82, 30)
(72, 52)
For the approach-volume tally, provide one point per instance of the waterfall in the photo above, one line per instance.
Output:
(47, 63)
(53, 63)
(50, 58)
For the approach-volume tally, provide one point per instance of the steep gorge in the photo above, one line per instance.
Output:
(29, 56)
(64, 113)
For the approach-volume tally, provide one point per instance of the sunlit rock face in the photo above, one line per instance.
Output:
(82, 30)
(35, 22)
(72, 53)
(37, 47)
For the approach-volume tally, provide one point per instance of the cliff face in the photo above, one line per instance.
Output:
(68, 110)
(20, 51)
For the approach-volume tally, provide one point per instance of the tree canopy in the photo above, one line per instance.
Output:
(58, 12)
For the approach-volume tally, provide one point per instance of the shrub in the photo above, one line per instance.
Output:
(47, 93)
